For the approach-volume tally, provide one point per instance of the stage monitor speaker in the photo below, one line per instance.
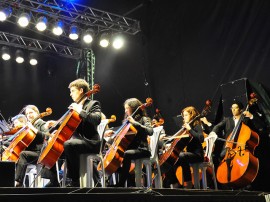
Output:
(7, 174)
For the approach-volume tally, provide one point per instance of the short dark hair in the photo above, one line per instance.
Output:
(239, 104)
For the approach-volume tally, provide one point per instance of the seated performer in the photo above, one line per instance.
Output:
(31, 153)
(18, 122)
(139, 147)
(87, 139)
(193, 152)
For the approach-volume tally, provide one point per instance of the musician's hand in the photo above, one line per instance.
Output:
(108, 133)
(205, 121)
(162, 137)
(187, 126)
(248, 114)
(76, 107)
(30, 125)
(49, 124)
(131, 120)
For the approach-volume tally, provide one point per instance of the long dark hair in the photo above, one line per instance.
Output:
(134, 103)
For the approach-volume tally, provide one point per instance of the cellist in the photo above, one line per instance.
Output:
(193, 152)
(31, 153)
(86, 138)
(139, 147)
(18, 122)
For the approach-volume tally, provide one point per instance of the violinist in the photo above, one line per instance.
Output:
(193, 152)
(86, 138)
(138, 148)
(31, 153)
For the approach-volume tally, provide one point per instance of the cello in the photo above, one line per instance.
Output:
(22, 140)
(124, 136)
(69, 123)
(240, 167)
(180, 140)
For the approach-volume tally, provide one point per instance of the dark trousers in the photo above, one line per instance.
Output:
(26, 158)
(73, 148)
(130, 155)
(185, 158)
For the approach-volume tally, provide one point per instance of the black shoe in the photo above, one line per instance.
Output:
(19, 184)
(52, 184)
(73, 184)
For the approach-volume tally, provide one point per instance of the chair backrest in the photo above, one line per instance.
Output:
(101, 130)
(210, 141)
(154, 141)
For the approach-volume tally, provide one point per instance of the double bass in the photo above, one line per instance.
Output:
(69, 123)
(22, 140)
(240, 167)
(124, 136)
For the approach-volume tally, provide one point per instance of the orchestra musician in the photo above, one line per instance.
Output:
(193, 152)
(86, 138)
(226, 126)
(157, 120)
(18, 122)
(31, 153)
(139, 147)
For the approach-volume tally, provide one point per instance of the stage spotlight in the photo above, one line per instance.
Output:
(104, 40)
(118, 41)
(19, 56)
(58, 28)
(5, 53)
(33, 59)
(24, 19)
(88, 35)
(41, 23)
(5, 13)
(74, 32)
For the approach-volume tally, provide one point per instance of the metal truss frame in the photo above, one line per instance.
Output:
(82, 15)
(39, 45)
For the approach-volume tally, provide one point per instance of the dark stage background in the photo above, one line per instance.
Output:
(185, 51)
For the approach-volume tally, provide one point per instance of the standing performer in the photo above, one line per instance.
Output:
(87, 139)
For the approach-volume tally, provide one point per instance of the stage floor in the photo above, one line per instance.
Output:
(128, 195)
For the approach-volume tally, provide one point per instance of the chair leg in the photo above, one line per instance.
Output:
(158, 180)
(148, 174)
(214, 177)
(204, 179)
(196, 175)
(138, 173)
(64, 178)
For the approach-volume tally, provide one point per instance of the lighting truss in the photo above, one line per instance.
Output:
(70, 12)
(39, 45)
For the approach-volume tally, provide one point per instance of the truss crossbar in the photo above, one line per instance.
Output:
(38, 45)
(76, 13)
